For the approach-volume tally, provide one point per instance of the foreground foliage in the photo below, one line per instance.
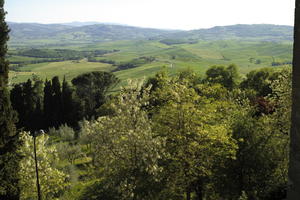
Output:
(9, 142)
(171, 138)
(52, 180)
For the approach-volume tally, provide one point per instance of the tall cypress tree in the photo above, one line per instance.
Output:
(71, 108)
(48, 95)
(18, 103)
(38, 88)
(9, 141)
(57, 102)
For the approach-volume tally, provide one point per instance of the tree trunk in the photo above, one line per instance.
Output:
(294, 160)
(199, 190)
(36, 169)
(188, 194)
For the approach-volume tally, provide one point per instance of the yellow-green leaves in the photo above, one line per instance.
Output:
(197, 132)
(52, 180)
(126, 149)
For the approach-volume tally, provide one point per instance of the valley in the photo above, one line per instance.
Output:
(142, 52)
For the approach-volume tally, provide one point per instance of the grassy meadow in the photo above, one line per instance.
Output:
(198, 56)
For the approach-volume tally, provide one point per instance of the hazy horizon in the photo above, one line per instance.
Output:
(167, 14)
(116, 23)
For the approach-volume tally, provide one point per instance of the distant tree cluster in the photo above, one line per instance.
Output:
(107, 61)
(178, 41)
(56, 55)
(276, 63)
(135, 63)
(60, 53)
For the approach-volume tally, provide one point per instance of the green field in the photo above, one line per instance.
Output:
(198, 56)
(69, 69)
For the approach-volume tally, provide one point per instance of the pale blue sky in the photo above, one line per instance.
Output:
(174, 14)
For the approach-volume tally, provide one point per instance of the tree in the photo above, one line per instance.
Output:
(56, 111)
(53, 114)
(47, 103)
(197, 138)
(261, 161)
(127, 150)
(71, 107)
(52, 180)
(92, 89)
(17, 102)
(259, 81)
(228, 77)
(26, 99)
(37, 119)
(294, 164)
(9, 141)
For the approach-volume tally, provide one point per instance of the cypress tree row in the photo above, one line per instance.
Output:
(9, 141)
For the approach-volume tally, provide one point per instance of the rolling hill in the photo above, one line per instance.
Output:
(258, 32)
(31, 34)
(133, 52)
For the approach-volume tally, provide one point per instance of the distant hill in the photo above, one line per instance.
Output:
(89, 23)
(21, 31)
(104, 32)
(62, 33)
(80, 32)
(259, 32)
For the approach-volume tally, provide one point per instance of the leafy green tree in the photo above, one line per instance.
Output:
(86, 137)
(281, 98)
(9, 142)
(197, 139)
(92, 89)
(228, 77)
(261, 161)
(52, 180)
(101, 190)
(127, 151)
(69, 152)
(156, 83)
(64, 133)
(259, 81)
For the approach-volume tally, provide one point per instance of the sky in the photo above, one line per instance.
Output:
(166, 14)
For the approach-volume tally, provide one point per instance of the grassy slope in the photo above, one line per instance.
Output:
(69, 69)
(197, 56)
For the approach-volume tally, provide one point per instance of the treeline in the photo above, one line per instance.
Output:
(178, 41)
(22, 63)
(61, 53)
(107, 61)
(55, 55)
(137, 62)
(281, 63)
(176, 137)
(134, 63)
(18, 65)
(41, 105)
